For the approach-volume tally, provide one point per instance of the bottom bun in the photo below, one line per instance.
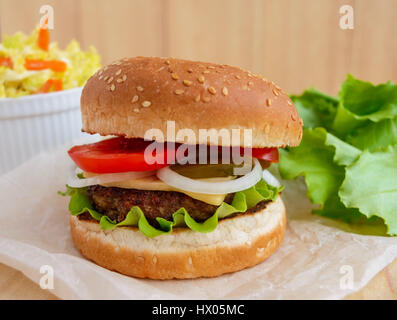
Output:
(237, 243)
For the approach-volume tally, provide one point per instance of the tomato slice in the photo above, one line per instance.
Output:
(268, 154)
(121, 155)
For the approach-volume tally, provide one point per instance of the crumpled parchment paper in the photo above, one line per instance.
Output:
(315, 261)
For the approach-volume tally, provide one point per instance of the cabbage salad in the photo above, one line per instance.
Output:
(30, 64)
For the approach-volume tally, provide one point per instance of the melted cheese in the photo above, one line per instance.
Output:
(153, 183)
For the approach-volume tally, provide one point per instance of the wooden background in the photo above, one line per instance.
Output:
(296, 43)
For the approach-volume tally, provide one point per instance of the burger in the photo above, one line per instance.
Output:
(164, 195)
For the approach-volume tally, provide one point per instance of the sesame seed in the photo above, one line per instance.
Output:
(250, 83)
(112, 87)
(197, 99)
(146, 104)
(289, 102)
(118, 72)
(225, 91)
(167, 62)
(275, 92)
(212, 90)
(161, 68)
(211, 67)
(190, 70)
(293, 117)
(139, 88)
(237, 77)
(124, 77)
(187, 83)
(134, 99)
(119, 80)
(117, 63)
(106, 77)
(100, 72)
(174, 76)
(179, 91)
(136, 110)
(206, 99)
(100, 77)
(200, 79)
(206, 71)
(268, 102)
(110, 80)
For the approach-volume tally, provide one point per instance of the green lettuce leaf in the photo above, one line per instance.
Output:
(320, 158)
(315, 108)
(371, 186)
(375, 135)
(361, 103)
(242, 201)
(348, 155)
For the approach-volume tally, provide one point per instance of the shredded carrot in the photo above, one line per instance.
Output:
(44, 36)
(6, 62)
(54, 65)
(57, 84)
(46, 86)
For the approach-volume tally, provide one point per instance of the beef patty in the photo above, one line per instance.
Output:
(117, 202)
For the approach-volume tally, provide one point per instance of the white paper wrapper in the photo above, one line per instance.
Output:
(310, 264)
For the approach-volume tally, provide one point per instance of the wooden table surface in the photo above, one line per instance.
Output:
(14, 285)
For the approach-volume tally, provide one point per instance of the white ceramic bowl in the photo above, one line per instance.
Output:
(35, 123)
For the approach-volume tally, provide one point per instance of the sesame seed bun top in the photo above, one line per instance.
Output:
(133, 95)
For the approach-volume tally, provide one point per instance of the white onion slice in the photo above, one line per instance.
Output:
(270, 179)
(178, 181)
(75, 182)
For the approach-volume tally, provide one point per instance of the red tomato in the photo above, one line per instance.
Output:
(120, 155)
(268, 154)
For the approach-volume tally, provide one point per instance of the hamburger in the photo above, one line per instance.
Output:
(151, 202)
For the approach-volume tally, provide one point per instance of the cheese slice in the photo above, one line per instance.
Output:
(154, 183)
